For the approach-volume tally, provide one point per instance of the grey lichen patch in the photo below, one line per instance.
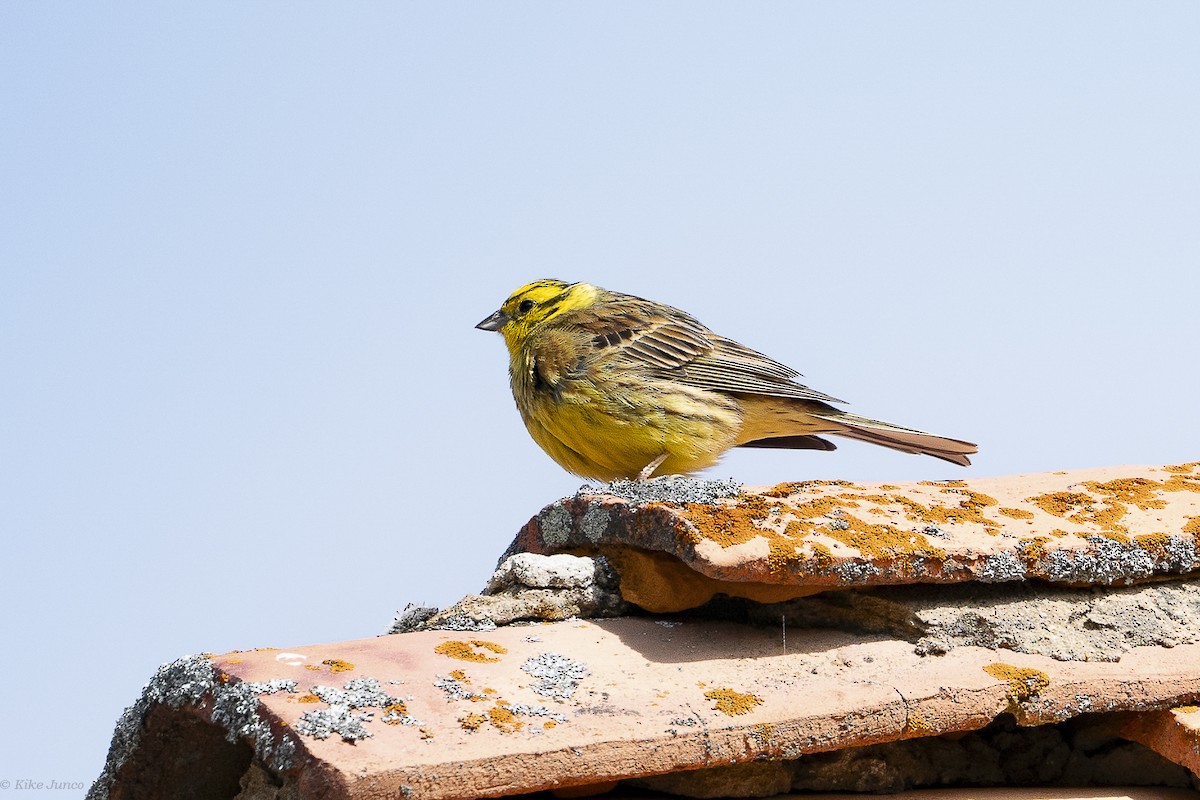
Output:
(1107, 561)
(855, 571)
(187, 682)
(1001, 567)
(595, 522)
(411, 618)
(341, 717)
(235, 707)
(464, 623)
(357, 693)
(323, 723)
(558, 676)
(555, 523)
(1174, 553)
(667, 489)
(456, 688)
(523, 710)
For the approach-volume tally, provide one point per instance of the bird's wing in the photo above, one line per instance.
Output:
(733, 367)
(674, 345)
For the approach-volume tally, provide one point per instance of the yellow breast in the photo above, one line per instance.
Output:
(607, 424)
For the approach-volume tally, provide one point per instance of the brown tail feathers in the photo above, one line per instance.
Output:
(812, 418)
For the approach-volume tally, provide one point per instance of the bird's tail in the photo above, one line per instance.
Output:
(788, 423)
(906, 440)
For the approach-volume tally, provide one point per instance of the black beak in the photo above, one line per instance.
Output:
(493, 323)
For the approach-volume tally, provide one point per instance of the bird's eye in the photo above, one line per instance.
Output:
(525, 306)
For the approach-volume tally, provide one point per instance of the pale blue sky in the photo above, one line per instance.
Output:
(243, 246)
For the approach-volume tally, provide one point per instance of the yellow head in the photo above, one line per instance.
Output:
(535, 303)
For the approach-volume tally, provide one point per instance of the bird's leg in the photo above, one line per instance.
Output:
(648, 470)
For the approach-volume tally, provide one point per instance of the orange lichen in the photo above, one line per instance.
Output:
(1182, 483)
(968, 509)
(398, 709)
(1192, 526)
(1017, 513)
(1083, 509)
(504, 719)
(459, 675)
(822, 507)
(1154, 543)
(798, 487)
(466, 651)
(732, 703)
(1186, 709)
(1034, 550)
(783, 558)
(313, 667)
(472, 721)
(337, 665)
(1137, 491)
(1108, 504)
(727, 524)
(1023, 683)
(826, 516)
(883, 542)
(880, 499)
(916, 725)
(308, 698)
(548, 724)
(1183, 468)
(822, 554)
(1060, 503)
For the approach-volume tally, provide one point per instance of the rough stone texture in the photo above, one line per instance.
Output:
(1091, 624)
(527, 587)
(579, 703)
(1111, 526)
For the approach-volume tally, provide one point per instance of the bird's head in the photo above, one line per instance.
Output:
(534, 304)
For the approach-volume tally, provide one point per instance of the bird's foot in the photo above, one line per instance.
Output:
(648, 470)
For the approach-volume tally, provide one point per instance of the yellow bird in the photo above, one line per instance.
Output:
(614, 386)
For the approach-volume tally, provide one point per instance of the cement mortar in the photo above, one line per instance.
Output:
(1092, 624)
